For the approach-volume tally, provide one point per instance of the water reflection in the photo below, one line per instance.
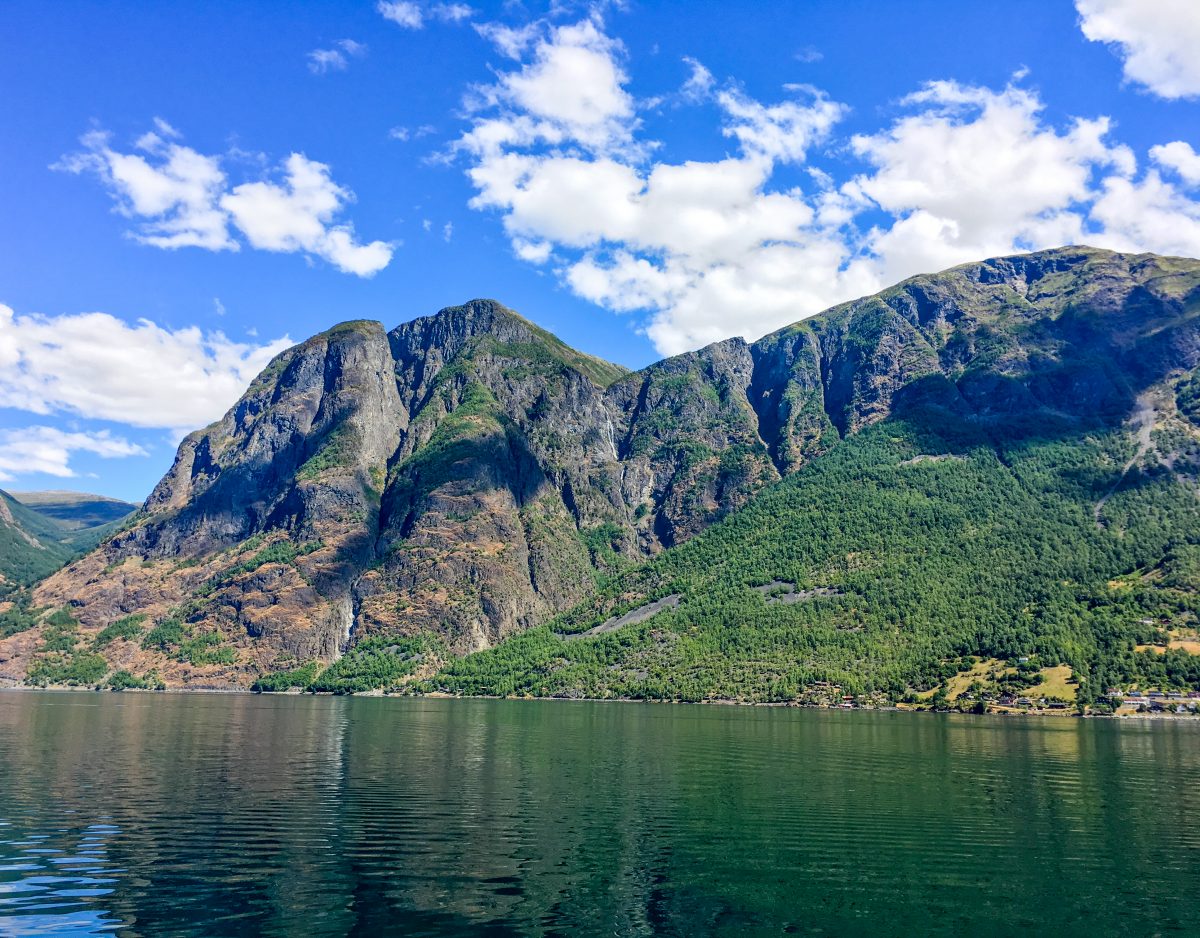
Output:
(152, 814)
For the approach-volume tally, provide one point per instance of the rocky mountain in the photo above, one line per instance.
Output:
(388, 501)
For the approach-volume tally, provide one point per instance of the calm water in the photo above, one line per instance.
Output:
(145, 814)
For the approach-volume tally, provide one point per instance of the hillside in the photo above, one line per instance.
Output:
(30, 544)
(76, 511)
(962, 465)
(41, 531)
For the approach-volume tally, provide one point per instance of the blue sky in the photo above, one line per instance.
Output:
(188, 187)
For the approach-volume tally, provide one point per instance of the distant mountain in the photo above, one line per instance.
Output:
(998, 461)
(41, 531)
(30, 544)
(75, 511)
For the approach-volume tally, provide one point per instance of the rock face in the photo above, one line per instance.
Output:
(467, 475)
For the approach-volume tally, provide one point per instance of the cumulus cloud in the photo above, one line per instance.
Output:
(705, 245)
(1148, 215)
(96, 366)
(182, 198)
(402, 13)
(1179, 157)
(572, 90)
(1157, 41)
(48, 450)
(175, 195)
(733, 246)
(972, 172)
(337, 58)
(298, 216)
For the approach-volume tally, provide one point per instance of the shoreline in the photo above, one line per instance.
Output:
(717, 702)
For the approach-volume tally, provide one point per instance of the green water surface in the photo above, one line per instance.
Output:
(153, 814)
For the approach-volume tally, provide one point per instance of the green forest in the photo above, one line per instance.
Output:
(932, 541)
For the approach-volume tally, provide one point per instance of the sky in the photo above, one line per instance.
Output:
(186, 189)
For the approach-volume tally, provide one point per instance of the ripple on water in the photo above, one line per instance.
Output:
(223, 815)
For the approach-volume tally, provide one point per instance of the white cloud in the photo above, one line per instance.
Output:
(97, 366)
(510, 41)
(337, 58)
(699, 84)
(296, 216)
(1181, 158)
(573, 89)
(707, 246)
(183, 199)
(177, 195)
(783, 131)
(405, 133)
(1149, 215)
(733, 246)
(1157, 39)
(972, 173)
(48, 450)
(402, 13)
(447, 231)
(451, 12)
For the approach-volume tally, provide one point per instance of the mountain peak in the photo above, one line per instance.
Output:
(467, 474)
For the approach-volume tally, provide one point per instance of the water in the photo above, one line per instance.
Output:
(141, 814)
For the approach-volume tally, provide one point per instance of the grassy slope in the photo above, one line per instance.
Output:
(23, 562)
(995, 553)
(69, 527)
(75, 511)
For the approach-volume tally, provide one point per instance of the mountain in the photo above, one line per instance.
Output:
(41, 531)
(76, 511)
(30, 544)
(953, 471)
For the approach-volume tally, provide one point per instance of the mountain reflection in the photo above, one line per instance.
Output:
(164, 814)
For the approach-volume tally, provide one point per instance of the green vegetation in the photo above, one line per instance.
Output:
(205, 648)
(30, 544)
(70, 669)
(994, 554)
(21, 617)
(165, 635)
(374, 663)
(41, 531)
(125, 680)
(281, 551)
(301, 677)
(60, 660)
(175, 638)
(129, 627)
(371, 664)
(336, 451)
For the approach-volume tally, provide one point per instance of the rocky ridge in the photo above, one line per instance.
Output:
(467, 475)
